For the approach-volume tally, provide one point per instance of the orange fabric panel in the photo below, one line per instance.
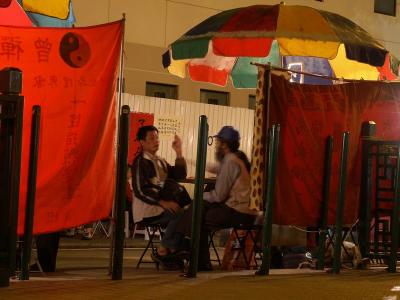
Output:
(386, 72)
(307, 115)
(208, 74)
(71, 73)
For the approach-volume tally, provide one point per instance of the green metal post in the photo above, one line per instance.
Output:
(120, 90)
(11, 114)
(5, 191)
(15, 181)
(120, 199)
(30, 201)
(325, 202)
(394, 222)
(340, 205)
(198, 196)
(272, 153)
(365, 199)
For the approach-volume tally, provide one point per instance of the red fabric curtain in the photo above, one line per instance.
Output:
(71, 74)
(307, 115)
(137, 120)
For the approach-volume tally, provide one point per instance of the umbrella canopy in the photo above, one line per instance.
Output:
(50, 13)
(297, 37)
(46, 21)
(51, 8)
(11, 13)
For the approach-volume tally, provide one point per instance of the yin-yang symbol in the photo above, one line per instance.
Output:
(74, 50)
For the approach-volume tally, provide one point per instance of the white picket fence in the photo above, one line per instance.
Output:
(240, 118)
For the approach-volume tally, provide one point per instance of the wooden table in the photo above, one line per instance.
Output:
(192, 180)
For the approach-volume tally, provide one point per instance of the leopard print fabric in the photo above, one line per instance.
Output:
(259, 135)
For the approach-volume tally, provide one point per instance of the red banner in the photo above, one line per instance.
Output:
(137, 120)
(71, 74)
(308, 114)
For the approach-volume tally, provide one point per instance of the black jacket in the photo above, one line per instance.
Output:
(144, 175)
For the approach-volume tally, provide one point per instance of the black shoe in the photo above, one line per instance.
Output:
(34, 267)
(168, 262)
(181, 254)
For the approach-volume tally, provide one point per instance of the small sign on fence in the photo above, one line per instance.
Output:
(168, 126)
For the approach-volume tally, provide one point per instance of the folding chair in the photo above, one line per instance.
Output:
(152, 230)
(211, 245)
(139, 230)
(34, 265)
(242, 233)
(99, 225)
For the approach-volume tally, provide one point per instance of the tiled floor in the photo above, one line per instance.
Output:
(82, 274)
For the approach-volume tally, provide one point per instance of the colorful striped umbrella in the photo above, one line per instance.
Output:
(294, 37)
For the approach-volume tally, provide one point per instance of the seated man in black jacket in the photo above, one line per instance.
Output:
(149, 174)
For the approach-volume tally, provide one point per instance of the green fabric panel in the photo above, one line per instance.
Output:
(196, 48)
(394, 64)
(244, 75)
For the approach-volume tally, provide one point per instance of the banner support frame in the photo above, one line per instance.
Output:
(119, 104)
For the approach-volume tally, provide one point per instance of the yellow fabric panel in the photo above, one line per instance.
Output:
(297, 47)
(302, 31)
(304, 22)
(178, 67)
(52, 8)
(351, 69)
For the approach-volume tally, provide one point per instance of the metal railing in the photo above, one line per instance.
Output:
(11, 114)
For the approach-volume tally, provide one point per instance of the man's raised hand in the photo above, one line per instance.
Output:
(177, 146)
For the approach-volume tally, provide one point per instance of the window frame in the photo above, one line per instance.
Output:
(250, 97)
(394, 8)
(228, 96)
(163, 85)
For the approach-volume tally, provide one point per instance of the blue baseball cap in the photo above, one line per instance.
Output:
(228, 133)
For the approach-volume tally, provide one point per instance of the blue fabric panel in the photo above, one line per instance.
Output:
(307, 64)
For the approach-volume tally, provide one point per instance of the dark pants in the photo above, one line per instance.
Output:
(215, 216)
(171, 238)
(47, 248)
